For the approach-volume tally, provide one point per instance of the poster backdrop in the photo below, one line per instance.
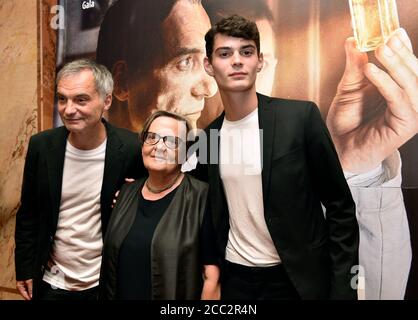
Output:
(155, 49)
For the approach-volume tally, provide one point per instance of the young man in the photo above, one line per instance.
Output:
(71, 175)
(276, 165)
(259, 12)
(368, 123)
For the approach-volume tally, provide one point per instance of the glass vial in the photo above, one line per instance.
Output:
(373, 21)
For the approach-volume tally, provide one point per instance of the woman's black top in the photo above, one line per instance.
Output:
(134, 264)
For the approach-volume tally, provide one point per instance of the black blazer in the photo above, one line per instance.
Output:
(37, 217)
(300, 171)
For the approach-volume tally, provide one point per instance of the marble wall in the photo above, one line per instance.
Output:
(18, 119)
(22, 96)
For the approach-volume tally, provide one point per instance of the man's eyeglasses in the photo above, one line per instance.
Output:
(171, 142)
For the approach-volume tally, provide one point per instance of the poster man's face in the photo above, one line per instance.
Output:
(183, 81)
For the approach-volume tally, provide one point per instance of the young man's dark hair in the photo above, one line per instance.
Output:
(233, 26)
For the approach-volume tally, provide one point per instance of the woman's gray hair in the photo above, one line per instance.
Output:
(163, 113)
(102, 76)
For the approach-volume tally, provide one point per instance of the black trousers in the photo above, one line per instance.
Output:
(47, 292)
(256, 283)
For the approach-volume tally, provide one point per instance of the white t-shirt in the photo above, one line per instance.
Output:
(77, 250)
(249, 241)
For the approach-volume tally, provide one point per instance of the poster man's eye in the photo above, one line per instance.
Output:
(185, 64)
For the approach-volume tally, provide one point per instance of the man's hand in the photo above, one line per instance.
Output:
(25, 288)
(115, 198)
(375, 112)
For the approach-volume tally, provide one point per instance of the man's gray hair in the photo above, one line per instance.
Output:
(102, 76)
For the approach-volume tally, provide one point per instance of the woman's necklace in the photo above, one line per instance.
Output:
(154, 190)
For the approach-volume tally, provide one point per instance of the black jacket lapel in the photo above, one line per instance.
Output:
(266, 120)
(216, 193)
(55, 167)
(113, 167)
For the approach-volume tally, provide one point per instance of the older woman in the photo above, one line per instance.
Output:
(159, 243)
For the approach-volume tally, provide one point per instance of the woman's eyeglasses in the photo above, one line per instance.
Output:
(170, 142)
